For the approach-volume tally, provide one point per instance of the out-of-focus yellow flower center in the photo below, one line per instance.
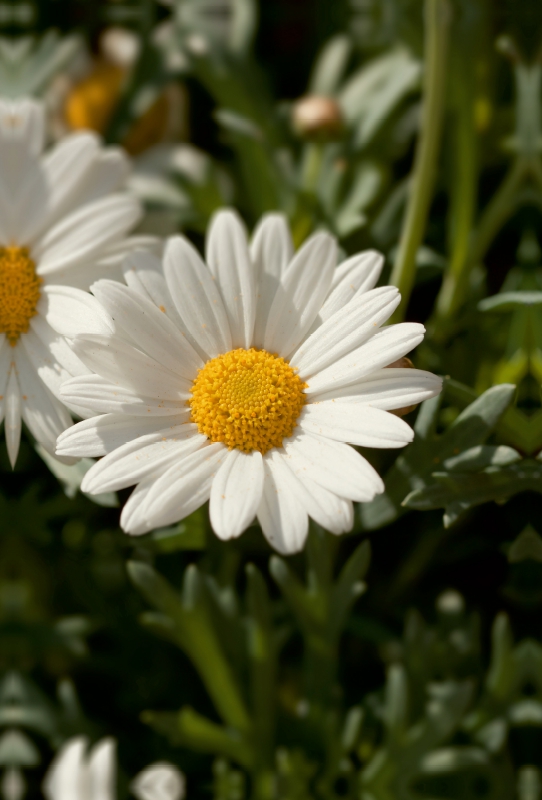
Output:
(91, 103)
(19, 291)
(247, 399)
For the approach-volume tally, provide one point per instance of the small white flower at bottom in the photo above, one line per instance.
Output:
(79, 774)
(244, 382)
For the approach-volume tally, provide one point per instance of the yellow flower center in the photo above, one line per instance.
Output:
(248, 399)
(19, 291)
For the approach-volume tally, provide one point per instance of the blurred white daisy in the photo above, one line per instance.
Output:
(242, 382)
(77, 774)
(63, 224)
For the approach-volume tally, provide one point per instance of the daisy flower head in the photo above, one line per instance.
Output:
(244, 381)
(63, 223)
(82, 773)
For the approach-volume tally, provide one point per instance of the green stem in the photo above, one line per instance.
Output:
(311, 166)
(463, 197)
(437, 14)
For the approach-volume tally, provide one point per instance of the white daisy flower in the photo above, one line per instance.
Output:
(244, 382)
(78, 775)
(63, 223)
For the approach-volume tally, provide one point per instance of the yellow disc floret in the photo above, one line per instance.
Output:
(19, 291)
(247, 399)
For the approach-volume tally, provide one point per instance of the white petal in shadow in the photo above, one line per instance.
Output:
(236, 493)
(57, 346)
(45, 416)
(148, 327)
(62, 171)
(100, 435)
(124, 365)
(86, 233)
(356, 424)
(71, 311)
(49, 371)
(229, 261)
(99, 395)
(12, 424)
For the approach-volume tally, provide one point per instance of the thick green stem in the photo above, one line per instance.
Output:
(437, 14)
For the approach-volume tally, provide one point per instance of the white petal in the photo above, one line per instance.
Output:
(134, 461)
(236, 493)
(385, 347)
(100, 435)
(57, 346)
(102, 771)
(125, 366)
(109, 263)
(271, 250)
(300, 294)
(346, 330)
(196, 297)
(271, 247)
(327, 509)
(357, 424)
(62, 171)
(284, 520)
(71, 311)
(353, 277)
(12, 424)
(387, 389)
(143, 272)
(132, 518)
(334, 465)
(103, 397)
(109, 174)
(148, 327)
(86, 232)
(44, 415)
(229, 261)
(183, 488)
(45, 364)
(160, 781)
(67, 775)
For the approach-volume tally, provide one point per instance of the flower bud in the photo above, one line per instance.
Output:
(402, 363)
(318, 119)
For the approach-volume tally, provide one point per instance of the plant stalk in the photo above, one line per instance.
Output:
(437, 15)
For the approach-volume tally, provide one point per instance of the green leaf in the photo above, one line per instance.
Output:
(349, 585)
(509, 301)
(330, 66)
(195, 634)
(191, 729)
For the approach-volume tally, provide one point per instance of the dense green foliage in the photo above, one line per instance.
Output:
(399, 662)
